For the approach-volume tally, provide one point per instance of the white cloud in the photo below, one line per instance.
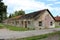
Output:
(29, 5)
(25, 4)
(57, 2)
(49, 4)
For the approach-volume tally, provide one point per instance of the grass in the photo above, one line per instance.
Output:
(1, 26)
(39, 36)
(14, 28)
(34, 37)
(57, 26)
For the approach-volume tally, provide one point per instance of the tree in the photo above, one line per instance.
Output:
(3, 11)
(17, 13)
(10, 15)
(0, 0)
(21, 12)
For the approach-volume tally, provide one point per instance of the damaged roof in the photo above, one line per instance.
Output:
(31, 15)
(35, 14)
(57, 18)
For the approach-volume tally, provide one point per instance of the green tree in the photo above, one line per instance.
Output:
(17, 13)
(3, 11)
(21, 12)
(10, 15)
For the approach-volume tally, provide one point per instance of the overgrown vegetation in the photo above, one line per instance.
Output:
(39, 36)
(14, 28)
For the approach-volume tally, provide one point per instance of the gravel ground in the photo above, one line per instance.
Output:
(7, 34)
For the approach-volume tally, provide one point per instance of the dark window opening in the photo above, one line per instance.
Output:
(28, 22)
(40, 23)
(12, 22)
(17, 22)
(59, 23)
(25, 24)
(22, 22)
(51, 23)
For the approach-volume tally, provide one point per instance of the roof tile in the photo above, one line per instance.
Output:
(57, 18)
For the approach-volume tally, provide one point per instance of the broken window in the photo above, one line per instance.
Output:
(40, 23)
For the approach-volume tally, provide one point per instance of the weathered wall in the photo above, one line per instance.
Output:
(57, 23)
(46, 19)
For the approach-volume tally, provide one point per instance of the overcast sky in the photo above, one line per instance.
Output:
(33, 5)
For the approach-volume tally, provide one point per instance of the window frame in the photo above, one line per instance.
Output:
(22, 22)
(40, 23)
(17, 22)
(29, 22)
(51, 23)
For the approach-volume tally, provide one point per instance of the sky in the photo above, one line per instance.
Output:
(33, 5)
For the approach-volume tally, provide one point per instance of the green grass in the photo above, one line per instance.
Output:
(57, 26)
(34, 37)
(14, 28)
(1, 26)
(39, 36)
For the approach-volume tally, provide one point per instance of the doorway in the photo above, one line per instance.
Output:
(25, 24)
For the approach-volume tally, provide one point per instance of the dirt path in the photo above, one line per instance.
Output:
(7, 34)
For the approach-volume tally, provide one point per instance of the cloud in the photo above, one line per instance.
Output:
(57, 2)
(50, 4)
(25, 5)
(29, 5)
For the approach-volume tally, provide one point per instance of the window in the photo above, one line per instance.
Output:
(51, 23)
(28, 22)
(40, 23)
(12, 22)
(17, 22)
(22, 22)
(59, 23)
